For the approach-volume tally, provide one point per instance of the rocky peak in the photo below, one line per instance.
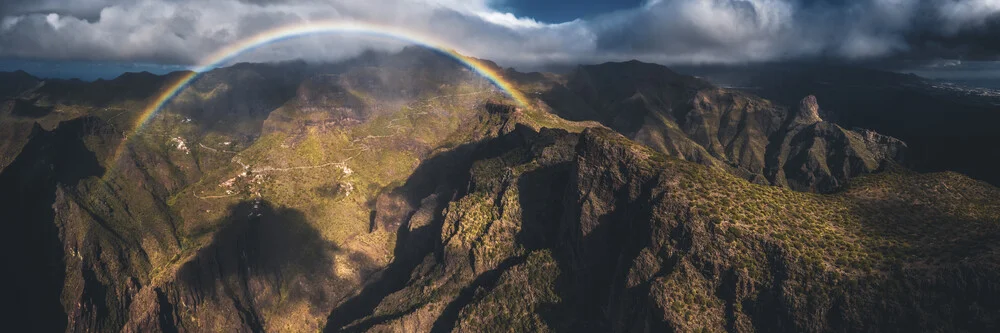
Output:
(808, 112)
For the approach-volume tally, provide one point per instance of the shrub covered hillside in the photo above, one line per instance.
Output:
(404, 193)
(554, 231)
(245, 203)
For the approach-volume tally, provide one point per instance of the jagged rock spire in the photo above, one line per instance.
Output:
(808, 112)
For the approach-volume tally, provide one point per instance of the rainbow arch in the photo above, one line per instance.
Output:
(226, 54)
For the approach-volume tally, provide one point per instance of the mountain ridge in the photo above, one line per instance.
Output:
(389, 194)
(946, 129)
(688, 117)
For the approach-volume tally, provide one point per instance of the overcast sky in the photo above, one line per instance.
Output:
(512, 32)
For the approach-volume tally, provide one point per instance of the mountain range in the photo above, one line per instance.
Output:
(403, 192)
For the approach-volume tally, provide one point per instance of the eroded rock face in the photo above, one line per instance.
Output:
(808, 112)
(819, 156)
(883, 147)
(590, 232)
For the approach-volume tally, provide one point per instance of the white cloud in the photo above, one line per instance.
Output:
(668, 31)
(509, 20)
(53, 20)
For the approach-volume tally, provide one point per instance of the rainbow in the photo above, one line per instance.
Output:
(230, 52)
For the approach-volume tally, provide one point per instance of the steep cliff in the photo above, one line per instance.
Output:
(591, 232)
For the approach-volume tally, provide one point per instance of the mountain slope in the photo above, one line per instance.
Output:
(402, 192)
(689, 118)
(13, 84)
(594, 233)
(159, 238)
(947, 127)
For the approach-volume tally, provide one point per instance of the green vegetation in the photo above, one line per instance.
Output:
(690, 245)
(517, 302)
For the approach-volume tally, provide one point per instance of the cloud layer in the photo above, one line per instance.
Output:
(665, 31)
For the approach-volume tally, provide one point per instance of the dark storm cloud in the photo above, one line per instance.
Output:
(84, 9)
(977, 42)
(667, 31)
(733, 30)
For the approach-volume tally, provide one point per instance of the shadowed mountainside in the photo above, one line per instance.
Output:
(262, 258)
(32, 249)
(591, 232)
(689, 118)
(945, 127)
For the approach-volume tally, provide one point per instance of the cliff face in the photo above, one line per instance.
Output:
(591, 232)
(688, 118)
(819, 156)
(32, 245)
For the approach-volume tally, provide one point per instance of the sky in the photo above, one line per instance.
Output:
(563, 11)
(170, 34)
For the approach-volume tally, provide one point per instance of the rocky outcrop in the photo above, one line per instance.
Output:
(591, 232)
(883, 147)
(689, 118)
(945, 127)
(807, 113)
(820, 156)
